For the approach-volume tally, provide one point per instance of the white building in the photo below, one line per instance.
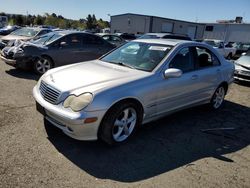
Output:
(139, 24)
(228, 32)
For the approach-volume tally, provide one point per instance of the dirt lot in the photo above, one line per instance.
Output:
(172, 152)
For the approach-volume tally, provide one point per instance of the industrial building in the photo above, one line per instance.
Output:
(139, 24)
(226, 30)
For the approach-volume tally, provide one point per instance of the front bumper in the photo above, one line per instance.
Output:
(11, 62)
(242, 75)
(24, 62)
(71, 123)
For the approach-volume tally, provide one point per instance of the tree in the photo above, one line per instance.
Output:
(2, 14)
(91, 22)
(39, 20)
(19, 20)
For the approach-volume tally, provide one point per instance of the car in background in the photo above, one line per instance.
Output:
(24, 34)
(112, 38)
(127, 36)
(139, 82)
(240, 49)
(165, 36)
(55, 49)
(220, 46)
(242, 68)
(8, 29)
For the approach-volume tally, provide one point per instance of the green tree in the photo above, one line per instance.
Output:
(39, 20)
(91, 22)
(19, 20)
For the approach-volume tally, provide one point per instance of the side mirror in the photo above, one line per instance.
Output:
(172, 73)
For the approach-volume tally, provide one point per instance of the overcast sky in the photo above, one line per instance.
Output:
(189, 10)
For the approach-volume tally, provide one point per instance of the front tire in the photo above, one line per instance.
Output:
(218, 98)
(120, 123)
(42, 65)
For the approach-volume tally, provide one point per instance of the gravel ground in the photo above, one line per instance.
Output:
(173, 152)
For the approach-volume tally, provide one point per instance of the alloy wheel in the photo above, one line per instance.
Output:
(43, 65)
(124, 124)
(218, 97)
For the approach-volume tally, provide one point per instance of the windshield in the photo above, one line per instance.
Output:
(47, 39)
(138, 55)
(27, 32)
(212, 43)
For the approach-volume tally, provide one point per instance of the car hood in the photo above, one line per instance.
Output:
(243, 62)
(91, 76)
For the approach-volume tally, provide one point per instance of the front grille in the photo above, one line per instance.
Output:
(242, 76)
(49, 93)
(5, 41)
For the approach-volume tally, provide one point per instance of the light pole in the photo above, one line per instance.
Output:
(109, 22)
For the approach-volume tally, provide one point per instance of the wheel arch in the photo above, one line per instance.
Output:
(124, 100)
(225, 85)
(50, 58)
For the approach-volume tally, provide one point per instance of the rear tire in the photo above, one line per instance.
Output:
(120, 123)
(42, 64)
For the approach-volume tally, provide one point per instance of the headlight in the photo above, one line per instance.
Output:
(77, 103)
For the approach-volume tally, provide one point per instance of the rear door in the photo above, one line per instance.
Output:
(208, 69)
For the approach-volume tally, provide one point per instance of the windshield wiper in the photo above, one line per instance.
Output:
(122, 64)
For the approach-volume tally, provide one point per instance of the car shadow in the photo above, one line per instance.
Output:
(24, 74)
(178, 140)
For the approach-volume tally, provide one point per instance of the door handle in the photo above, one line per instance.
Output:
(194, 77)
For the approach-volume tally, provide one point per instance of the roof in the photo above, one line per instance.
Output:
(170, 42)
(158, 17)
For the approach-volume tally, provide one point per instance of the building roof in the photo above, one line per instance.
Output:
(156, 17)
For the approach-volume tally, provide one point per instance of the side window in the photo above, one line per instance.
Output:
(115, 38)
(183, 61)
(74, 41)
(106, 37)
(92, 40)
(63, 40)
(205, 58)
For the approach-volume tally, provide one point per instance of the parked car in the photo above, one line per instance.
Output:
(139, 82)
(126, 36)
(240, 49)
(8, 29)
(227, 52)
(113, 39)
(55, 49)
(24, 34)
(242, 68)
(165, 36)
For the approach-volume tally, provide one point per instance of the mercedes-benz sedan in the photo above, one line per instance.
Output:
(139, 82)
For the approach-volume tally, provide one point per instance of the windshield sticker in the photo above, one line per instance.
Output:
(159, 48)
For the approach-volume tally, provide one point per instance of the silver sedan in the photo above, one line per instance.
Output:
(139, 82)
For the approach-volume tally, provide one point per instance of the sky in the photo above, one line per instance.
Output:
(189, 10)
